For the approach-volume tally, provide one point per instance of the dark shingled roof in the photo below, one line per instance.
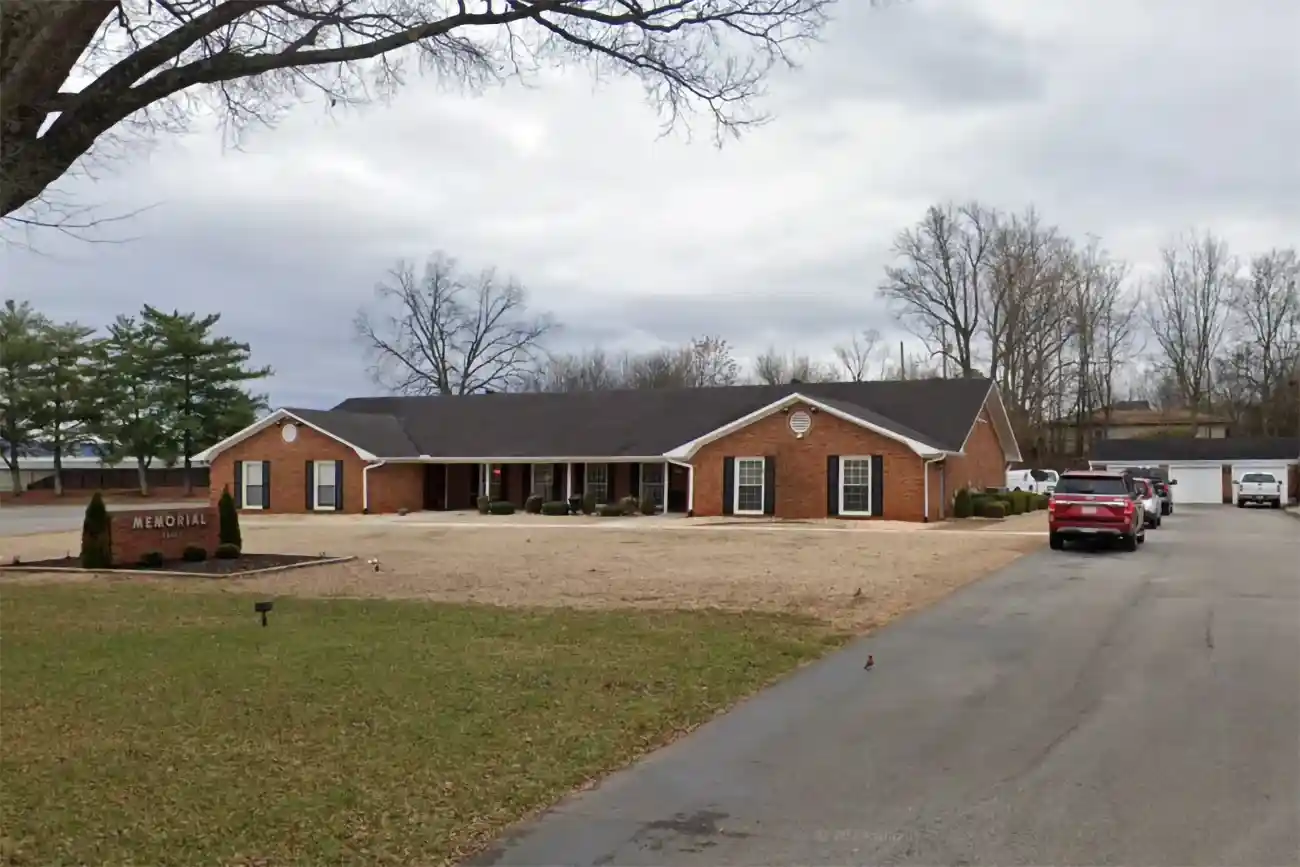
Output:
(1160, 450)
(632, 423)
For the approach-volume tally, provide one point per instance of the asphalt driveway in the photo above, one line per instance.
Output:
(20, 520)
(1078, 708)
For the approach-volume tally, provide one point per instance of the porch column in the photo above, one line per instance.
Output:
(568, 482)
(485, 480)
(664, 495)
(690, 490)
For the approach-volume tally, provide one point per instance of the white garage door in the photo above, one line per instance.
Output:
(1279, 472)
(1197, 484)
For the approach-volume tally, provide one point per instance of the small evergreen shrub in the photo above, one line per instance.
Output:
(151, 559)
(533, 505)
(611, 510)
(1041, 501)
(226, 551)
(993, 509)
(228, 532)
(588, 504)
(555, 507)
(96, 536)
(194, 554)
(501, 507)
(962, 507)
(483, 504)
(648, 506)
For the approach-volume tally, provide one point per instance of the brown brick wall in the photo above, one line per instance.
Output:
(801, 483)
(139, 531)
(392, 486)
(984, 464)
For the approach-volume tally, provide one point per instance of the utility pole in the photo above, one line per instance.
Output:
(902, 364)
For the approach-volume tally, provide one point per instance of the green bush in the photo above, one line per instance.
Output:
(228, 532)
(501, 507)
(993, 509)
(194, 554)
(227, 551)
(1015, 503)
(610, 510)
(588, 504)
(630, 505)
(96, 536)
(648, 506)
(533, 505)
(555, 507)
(962, 506)
(151, 559)
(483, 504)
(1041, 501)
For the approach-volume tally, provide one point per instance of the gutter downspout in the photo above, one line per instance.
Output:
(925, 471)
(365, 485)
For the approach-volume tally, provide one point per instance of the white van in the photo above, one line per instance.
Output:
(1037, 481)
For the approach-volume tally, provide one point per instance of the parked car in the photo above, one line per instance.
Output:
(1166, 495)
(1150, 501)
(1260, 488)
(1095, 505)
(1037, 481)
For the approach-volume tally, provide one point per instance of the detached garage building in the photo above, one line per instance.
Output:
(1206, 470)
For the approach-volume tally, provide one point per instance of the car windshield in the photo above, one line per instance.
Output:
(1110, 486)
(1266, 478)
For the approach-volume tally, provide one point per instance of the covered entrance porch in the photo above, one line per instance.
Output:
(457, 485)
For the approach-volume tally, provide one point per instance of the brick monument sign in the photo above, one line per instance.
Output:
(168, 531)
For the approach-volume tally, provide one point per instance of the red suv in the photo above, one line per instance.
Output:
(1095, 505)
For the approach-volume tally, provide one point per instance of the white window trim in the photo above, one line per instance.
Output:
(586, 482)
(243, 472)
(870, 468)
(735, 486)
(315, 485)
(532, 481)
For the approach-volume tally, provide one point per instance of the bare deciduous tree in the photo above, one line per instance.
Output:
(145, 61)
(447, 332)
(773, 368)
(859, 355)
(592, 370)
(938, 285)
(703, 362)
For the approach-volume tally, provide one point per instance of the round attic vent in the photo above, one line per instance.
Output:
(289, 432)
(800, 422)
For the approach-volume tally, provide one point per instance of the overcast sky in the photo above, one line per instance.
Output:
(1128, 120)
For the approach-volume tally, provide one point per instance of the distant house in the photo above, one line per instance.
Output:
(895, 450)
(1206, 469)
(1138, 419)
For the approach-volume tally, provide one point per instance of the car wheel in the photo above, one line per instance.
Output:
(1055, 541)
(1128, 543)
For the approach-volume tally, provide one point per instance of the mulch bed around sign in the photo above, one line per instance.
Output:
(210, 568)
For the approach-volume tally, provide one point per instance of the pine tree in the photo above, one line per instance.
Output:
(61, 384)
(96, 536)
(228, 532)
(22, 352)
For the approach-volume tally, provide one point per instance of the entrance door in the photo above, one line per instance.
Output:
(435, 487)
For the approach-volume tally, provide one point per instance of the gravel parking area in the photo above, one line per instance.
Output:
(851, 579)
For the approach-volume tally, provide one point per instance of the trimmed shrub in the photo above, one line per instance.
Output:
(630, 505)
(588, 504)
(993, 509)
(96, 536)
(648, 506)
(962, 507)
(1015, 503)
(501, 507)
(194, 554)
(611, 510)
(555, 507)
(533, 505)
(226, 551)
(151, 559)
(1041, 501)
(483, 504)
(228, 532)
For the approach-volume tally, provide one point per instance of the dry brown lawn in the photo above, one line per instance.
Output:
(851, 578)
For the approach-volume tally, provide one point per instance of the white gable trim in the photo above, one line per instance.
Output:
(1001, 421)
(686, 451)
(279, 416)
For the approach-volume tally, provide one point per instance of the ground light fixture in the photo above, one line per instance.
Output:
(263, 608)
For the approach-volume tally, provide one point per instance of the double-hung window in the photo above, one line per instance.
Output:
(543, 480)
(855, 486)
(254, 479)
(597, 482)
(325, 478)
(749, 486)
(652, 483)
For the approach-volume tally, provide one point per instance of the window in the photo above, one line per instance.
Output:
(494, 482)
(749, 486)
(652, 483)
(1259, 479)
(855, 486)
(1109, 486)
(326, 476)
(543, 479)
(597, 482)
(253, 491)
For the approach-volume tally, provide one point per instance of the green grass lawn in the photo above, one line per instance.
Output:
(147, 727)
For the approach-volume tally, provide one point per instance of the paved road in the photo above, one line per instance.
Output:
(1077, 708)
(18, 520)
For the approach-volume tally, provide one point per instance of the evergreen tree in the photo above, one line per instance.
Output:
(96, 535)
(129, 399)
(61, 384)
(202, 377)
(22, 352)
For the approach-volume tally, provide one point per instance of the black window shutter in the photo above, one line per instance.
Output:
(728, 486)
(310, 485)
(557, 481)
(636, 481)
(266, 485)
(239, 484)
(769, 485)
(832, 484)
(877, 486)
(338, 486)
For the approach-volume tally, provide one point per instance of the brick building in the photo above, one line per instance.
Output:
(894, 450)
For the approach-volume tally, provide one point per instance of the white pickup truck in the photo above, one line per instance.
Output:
(1261, 488)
